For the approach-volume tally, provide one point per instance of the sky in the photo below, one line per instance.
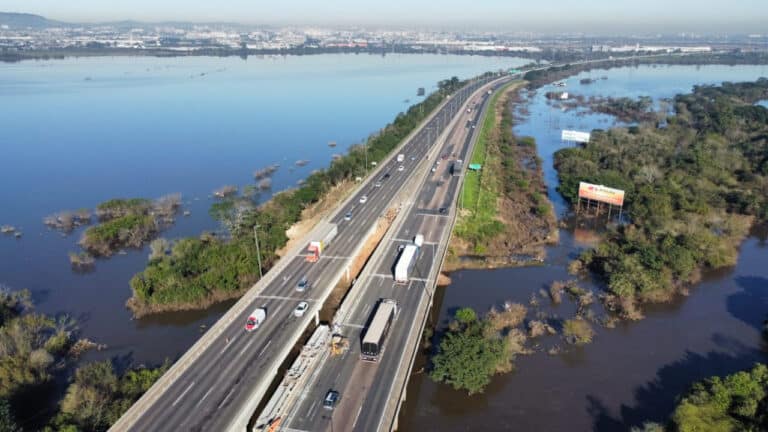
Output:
(529, 15)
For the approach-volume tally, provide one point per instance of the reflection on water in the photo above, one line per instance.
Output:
(142, 126)
(629, 374)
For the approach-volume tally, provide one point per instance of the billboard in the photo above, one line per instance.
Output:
(601, 193)
(575, 136)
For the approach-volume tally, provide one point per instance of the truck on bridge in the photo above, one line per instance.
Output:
(316, 247)
(376, 333)
(407, 259)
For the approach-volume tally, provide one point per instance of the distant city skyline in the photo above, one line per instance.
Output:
(585, 16)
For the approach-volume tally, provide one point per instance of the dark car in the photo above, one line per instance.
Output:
(331, 399)
(443, 210)
(386, 176)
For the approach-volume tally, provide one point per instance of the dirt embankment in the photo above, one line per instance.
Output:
(311, 215)
(522, 206)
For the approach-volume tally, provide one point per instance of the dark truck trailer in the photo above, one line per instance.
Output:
(456, 167)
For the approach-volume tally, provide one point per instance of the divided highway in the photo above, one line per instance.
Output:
(218, 383)
(368, 389)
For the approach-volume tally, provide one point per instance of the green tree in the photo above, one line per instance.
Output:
(734, 403)
(7, 421)
(469, 355)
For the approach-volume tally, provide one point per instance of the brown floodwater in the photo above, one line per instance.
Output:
(630, 374)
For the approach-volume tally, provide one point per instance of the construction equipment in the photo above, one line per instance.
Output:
(339, 344)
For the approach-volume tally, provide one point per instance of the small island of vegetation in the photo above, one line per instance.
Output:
(693, 190)
(474, 349)
(127, 223)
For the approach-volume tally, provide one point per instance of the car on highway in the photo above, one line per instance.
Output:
(413, 158)
(301, 308)
(400, 168)
(255, 319)
(348, 216)
(363, 199)
(331, 399)
(377, 184)
(386, 176)
(443, 210)
(434, 169)
(302, 285)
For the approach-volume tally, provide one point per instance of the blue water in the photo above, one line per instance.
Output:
(79, 131)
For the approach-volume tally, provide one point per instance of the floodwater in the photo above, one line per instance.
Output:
(77, 132)
(629, 374)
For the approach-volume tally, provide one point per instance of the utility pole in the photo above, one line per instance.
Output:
(258, 252)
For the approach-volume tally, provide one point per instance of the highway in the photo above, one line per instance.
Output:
(366, 387)
(220, 382)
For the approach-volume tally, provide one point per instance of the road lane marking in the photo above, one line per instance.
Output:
(245, 348)
(229, 342)
(265, 347)
(183, 393)
(272, 297)
(204, 396)
(226, 397)
(312, 409)
(357, 416)
(352, 325)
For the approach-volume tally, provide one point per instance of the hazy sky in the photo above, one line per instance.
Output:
(546, 15)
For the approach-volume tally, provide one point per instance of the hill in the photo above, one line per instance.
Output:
(24, 20)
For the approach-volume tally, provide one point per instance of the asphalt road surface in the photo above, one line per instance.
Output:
(365, 386)
(210, 393)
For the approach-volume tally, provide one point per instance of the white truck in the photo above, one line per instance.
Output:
(255, 319)
(316, 247)
(407, 259)
(400, 157)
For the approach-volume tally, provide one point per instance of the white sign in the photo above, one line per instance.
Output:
(575, 136)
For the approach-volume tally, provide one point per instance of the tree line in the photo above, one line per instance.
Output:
(205, 269)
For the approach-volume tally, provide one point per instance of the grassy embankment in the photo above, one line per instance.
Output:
(201, 271)
(504, 210)
(693, 190)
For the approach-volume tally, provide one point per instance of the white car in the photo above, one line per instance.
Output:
(400, 168)
(301, 308)
(363, 199)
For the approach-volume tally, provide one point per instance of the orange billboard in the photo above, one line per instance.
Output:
(601, 193)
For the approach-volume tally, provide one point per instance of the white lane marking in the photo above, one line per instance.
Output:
(265, 347)
(245, 348)
(228, 343)
(312, 409)
(226, 397)
(183, 393)
(357, 416)
(352, 325)
(204, 396)
(271, 297)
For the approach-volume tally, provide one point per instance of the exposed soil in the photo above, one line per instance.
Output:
(528, 216)
(312, 214)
